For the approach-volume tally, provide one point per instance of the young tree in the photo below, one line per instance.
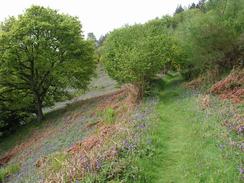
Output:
(193, 5)
(179, 9)
(91, 37)
(101, 40)
(134, 54)
(42, 53)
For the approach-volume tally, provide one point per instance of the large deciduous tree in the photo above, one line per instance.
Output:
(42, 55)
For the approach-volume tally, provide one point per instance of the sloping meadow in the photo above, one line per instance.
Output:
(107, 152)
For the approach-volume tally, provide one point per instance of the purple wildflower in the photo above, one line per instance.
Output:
(128, 146)
(126, 143)
(241, 146)
(241, 129)
(241, 171)
(98, 164)
(142, 126)
(87, 166)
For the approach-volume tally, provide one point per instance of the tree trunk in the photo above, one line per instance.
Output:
(139, 87)
(39, 112)
(140, 92)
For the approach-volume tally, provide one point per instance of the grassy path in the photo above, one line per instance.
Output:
(188, 143)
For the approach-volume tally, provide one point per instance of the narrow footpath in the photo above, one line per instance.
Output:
(188, 142)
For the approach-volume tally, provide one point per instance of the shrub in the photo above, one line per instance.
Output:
(211, 39)
(135, 54)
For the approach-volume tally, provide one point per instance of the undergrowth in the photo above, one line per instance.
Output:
(126, 167)
(108, 115)
(7, 171)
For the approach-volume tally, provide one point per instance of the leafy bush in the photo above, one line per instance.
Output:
(211, 39)
(13, 111)
(134, 54)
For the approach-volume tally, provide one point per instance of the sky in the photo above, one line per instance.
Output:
(100, 16)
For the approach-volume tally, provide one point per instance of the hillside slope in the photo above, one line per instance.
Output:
(65, 124)
(174, 135)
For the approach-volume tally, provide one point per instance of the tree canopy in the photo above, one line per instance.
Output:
(206, 36)
(211, 39)
(42, 55)
(134, 54)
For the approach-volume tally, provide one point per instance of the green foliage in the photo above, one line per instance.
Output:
(208, 36)
(13, 110)
(134, 54)
(108, 115)
(43, 54)
(122, 170)
(211, 39)
(7, 171)
(92, 38)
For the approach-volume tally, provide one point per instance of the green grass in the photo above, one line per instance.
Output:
(25, 132)
(108, 115)
(56, 161)
(7, 171)
(181, 142)
(8, 142)
(187, 140)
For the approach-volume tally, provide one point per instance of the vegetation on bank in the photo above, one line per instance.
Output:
(64, 125)
(173, 135)
(191, 142)
(183, 139)
(7, 171)
(44, 55)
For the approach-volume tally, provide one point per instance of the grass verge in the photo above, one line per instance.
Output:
(190, 143)
(7, 171)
